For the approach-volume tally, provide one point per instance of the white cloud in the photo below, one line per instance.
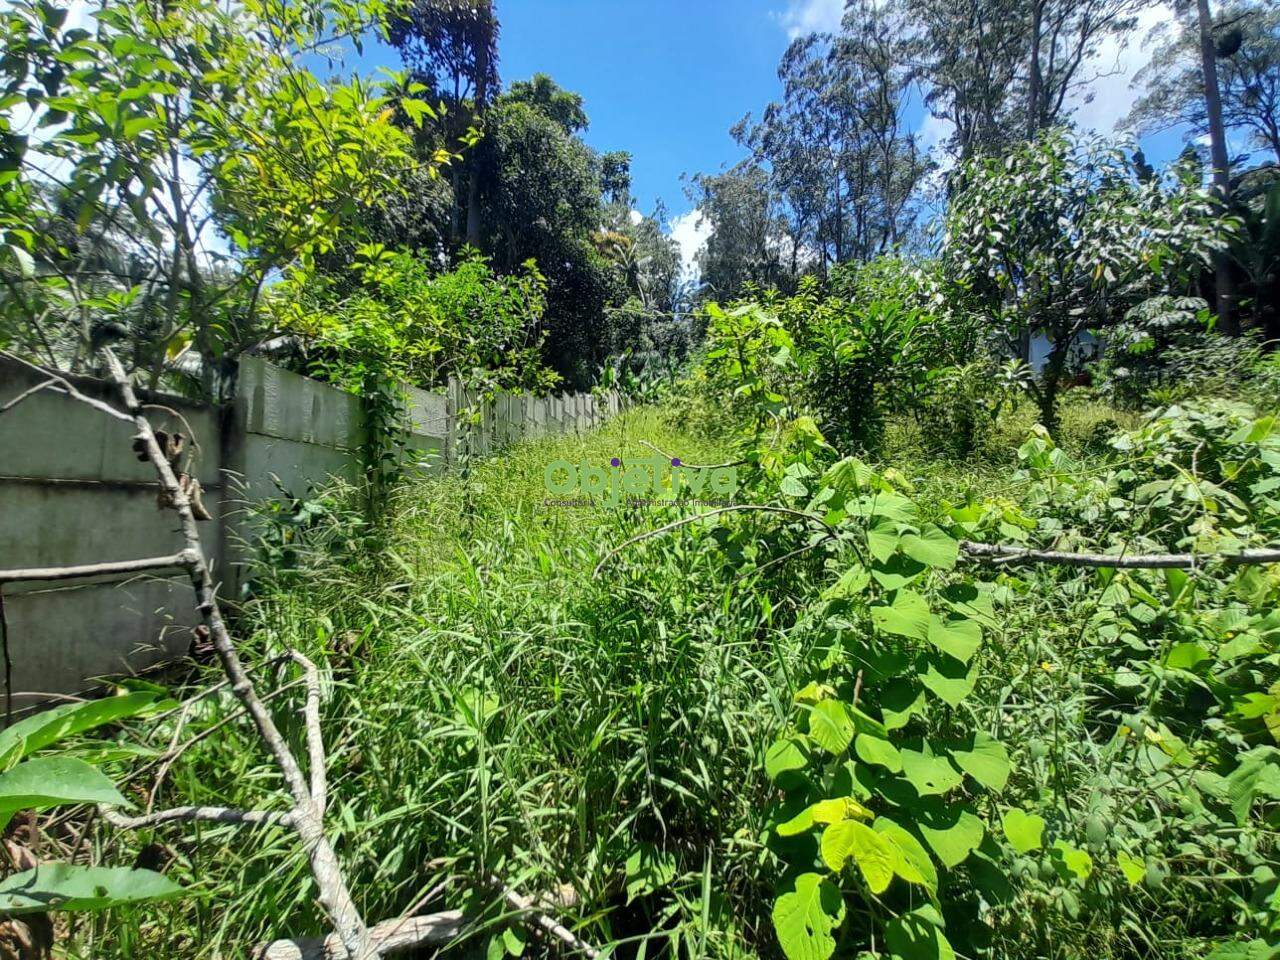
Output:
(803, 17)
(691, 231)
(1113, 95)
(637, 218)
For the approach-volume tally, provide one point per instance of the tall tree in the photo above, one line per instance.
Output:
(452, 45)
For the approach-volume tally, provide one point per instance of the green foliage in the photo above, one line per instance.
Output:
(161, 128)
(43, 782)
(1059, 238)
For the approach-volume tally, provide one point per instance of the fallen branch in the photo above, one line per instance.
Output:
(1152, 561)
(178, 561)
(244, 818)
(305, 817)
(315, 739)
(386, 937)
(547, 923)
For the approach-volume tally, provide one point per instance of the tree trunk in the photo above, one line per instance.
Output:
(473, 184)
(1036, 80)
(1051, 383)
(1224, 283)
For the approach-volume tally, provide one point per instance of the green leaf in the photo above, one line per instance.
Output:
(915, 865)
(514, 939)
(1024, 830)
(831, 727)
(824, 811)
(947, 678)
(952, 835)
(882, 541)
(879, 751)
(907, 616)
(875, 855)
(932, 547)
(929, 775)
(1073, 860)
(1132, 868)
(958, 637)
(65, 886)
(986, 761)
(38, 731)
(785, 755)
(913, 936)
(853, 582)
(794, 488)
(49, 781)
(648, 870)
(805, 917)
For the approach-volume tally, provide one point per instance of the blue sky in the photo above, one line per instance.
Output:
(665, 79)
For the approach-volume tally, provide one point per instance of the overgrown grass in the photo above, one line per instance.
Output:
(493, 709)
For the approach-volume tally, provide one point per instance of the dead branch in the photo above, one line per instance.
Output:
(305, 818)
(547, 923)
(736, 508)
(315, 738)
(245, 818)
(59, 384)
(389, 936)
(997, 553)
(177, 561)
(694, 466)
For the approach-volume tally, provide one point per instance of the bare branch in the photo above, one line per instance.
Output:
(315, 738)
(387, 937)
(60, 385)
(547, 923)
(998, 553)
(331, 886)
(694, 466)
(736, 508)
(244, 818)
(177, 561)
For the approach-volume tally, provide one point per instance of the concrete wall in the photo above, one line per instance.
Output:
(72, 491)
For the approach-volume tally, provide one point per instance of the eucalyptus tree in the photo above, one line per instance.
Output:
(1247, 52)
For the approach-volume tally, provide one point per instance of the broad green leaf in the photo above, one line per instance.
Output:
(915, 937)
(899, 702)
(805, 917)
(897, 572)
(1074, 860)
(824, 812)
(952, 836)
(49, 781)
(648, 870)
(852, 583)
(875, 855)
(882, 541)
(915, 865)
(879, 751)
(947, 678)
(38, 731)
(784, 756)
(64, 886)
(929, 775)
(932, 547)
(986, 761)
(1132, 868)
(830, 726)
(1024, 830)
(1244, 950)
(907, 616)
(958, 637)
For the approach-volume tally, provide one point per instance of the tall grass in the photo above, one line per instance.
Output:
(493, 709)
